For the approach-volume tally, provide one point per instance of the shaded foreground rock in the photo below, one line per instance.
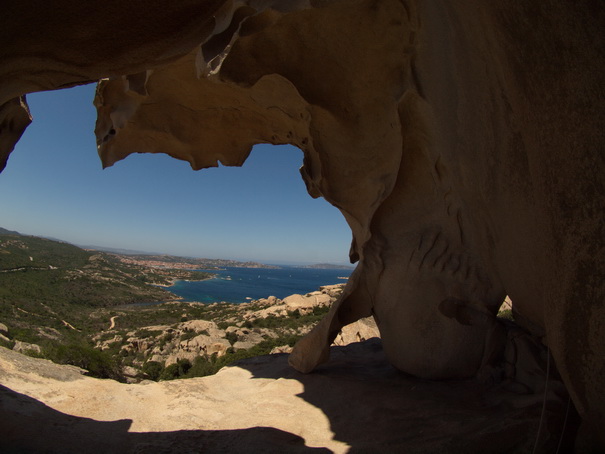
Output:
(466, 158)
(262, 404)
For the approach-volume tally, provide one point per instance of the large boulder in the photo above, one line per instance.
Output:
(361, 330)
(316, 299)
(462, 141)
(358, 403)
(204, 345)
(26, 347)
(3, 329)
(199, 326)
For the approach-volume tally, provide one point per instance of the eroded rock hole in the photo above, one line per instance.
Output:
(259, 212)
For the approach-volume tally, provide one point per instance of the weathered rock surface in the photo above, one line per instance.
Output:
(300, 302)
(167, 344)
(462, 141)
(245, 338)
(206, 345)
(263, 405)
(304, 304)
(14, 119)
(359, 331)
(23, 347)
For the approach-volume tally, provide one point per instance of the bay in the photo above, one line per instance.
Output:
(239, 285)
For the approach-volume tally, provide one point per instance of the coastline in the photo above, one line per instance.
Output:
(240, 285)
(173, 281)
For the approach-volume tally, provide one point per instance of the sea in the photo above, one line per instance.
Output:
(240, 285)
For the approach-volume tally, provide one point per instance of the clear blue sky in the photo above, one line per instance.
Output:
(54, 186)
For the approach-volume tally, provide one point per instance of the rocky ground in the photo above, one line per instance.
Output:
(354, 403)
(231, 328)
(207, 335)
(357, 402)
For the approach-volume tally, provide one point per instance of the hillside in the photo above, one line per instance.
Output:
(74, 306)
(49, 285)
(190, 262)
(4, 231)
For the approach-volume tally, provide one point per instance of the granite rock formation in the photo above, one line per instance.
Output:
(188, 340)
(263, 405)
(462, 141)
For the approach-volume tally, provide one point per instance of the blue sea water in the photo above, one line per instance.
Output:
(238, 285)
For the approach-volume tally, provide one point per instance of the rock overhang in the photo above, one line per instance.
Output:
(443, 135)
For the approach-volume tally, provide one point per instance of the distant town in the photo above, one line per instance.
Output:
(174, 262)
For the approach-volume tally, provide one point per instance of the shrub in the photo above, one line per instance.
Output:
(106, 336)
(202, 367)
(152, 370)
(170, 372)
(506, 314)
(269, 322)
(232, 337)
(98, 364)
(263, 348)
(321, 310)
(294, 314)
(143, 333)
(7, 343)
(188, 335)
(176, 370)
(165, 339)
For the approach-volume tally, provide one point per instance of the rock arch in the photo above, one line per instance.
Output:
(462, 142)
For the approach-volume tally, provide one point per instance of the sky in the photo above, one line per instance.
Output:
(54, 186)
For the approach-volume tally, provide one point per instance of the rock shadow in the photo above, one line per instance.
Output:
(29, 426)
(374, 407)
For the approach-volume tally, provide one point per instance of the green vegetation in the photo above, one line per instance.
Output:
(293, 321)
(208, 366)
(506, 314)
(31, 252)
(35, 269)
(53, 287)
(176, 370)
(232, 337)
(148, 333)
(57, 295)
(152, 370)
(76, 347)
(203, 366)
(7, 343)
(76, 305)
(98, 363)
(190, 335)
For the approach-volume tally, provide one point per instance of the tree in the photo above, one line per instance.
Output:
(176, 370)
(152, 370)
